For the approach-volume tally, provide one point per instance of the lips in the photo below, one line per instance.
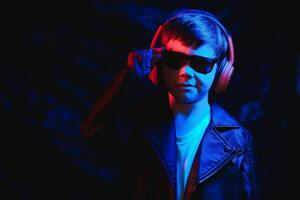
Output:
(185, 86)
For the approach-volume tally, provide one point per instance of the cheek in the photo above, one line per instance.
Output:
(205, 81)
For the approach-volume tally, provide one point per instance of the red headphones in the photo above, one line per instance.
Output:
(226, 68)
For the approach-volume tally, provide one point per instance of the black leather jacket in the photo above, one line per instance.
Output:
(224, 167)
(137, 151)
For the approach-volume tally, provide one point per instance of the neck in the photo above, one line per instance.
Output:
(188, 115)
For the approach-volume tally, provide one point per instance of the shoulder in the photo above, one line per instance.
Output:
(227, 126)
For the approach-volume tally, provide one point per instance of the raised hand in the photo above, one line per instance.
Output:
(142, 61)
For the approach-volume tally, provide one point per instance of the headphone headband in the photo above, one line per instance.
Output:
(209, 16)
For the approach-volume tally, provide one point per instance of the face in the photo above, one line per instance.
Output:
(185, 84)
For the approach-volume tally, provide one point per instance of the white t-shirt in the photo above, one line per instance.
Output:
(187, 146)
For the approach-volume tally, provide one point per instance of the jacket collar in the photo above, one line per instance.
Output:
(215, 150)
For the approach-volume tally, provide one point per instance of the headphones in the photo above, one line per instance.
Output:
(226, 68)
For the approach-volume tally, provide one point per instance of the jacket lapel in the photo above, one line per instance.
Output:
(213, 154)
(216, 150)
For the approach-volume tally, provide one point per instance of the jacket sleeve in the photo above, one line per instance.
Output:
(120, 98)
(250, 169)
(106, 130)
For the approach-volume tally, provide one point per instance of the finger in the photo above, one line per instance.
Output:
(147, 58)
(157, 56)
(157, 53)
(158, 49)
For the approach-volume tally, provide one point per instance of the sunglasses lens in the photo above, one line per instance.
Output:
(202, 65)
(175, 60)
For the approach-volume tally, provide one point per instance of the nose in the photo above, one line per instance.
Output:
(186, 71)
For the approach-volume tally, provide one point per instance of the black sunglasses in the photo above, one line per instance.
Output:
(175, 60)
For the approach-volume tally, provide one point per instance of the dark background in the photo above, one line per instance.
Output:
(57, 58)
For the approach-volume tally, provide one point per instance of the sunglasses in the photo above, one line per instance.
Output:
(175, 60)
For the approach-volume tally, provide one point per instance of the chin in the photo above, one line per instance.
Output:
(186, 99)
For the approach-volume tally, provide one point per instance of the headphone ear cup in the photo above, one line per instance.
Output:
(224, 75)
(153, 76)
(156, 74)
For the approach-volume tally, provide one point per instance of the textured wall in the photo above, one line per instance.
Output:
(59, 56)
